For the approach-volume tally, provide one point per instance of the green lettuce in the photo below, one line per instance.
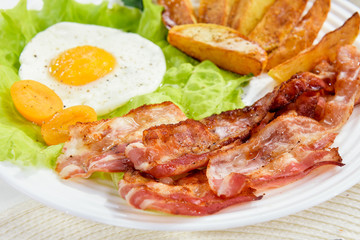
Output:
(199, 89)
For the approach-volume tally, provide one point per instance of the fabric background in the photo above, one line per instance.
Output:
(338, 218)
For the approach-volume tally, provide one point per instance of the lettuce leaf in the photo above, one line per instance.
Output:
(199, 89)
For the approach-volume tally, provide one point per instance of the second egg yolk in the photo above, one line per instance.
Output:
(81, 65)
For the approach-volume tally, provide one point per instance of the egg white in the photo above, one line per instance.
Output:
(139, 69)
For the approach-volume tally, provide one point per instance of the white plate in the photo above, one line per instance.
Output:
(99, 201)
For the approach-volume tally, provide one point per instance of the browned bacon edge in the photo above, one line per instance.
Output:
(301, 83)
(162, 151)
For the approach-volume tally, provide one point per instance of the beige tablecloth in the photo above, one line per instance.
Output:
(338, 218)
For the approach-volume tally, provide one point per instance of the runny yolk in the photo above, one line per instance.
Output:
(82, 65)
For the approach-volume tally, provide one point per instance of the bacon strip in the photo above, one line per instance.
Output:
(275, 141)
(161, 151)
(190, 195)
(232, 168)
(169, 150)
(292, 166)
(100, 146)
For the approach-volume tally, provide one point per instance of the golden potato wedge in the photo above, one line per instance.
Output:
(246, 14)
(325, 49)
(303, 34)
(224, 46)
(277, 23)
(177, 12)
(214, 11)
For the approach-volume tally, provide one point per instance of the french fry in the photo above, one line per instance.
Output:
(177, 12)
(224, 46)
(303, 34)
(214, 11)
(277, 23)
(245, 15)
(325, 49)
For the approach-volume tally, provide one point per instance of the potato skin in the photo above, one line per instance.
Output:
(277, 23)
(177, 12)
(302, 35)
(325, 49)
(245, 15)
(214, 11)
(222, 45)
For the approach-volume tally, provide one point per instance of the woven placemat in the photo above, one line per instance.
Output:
(338, 218)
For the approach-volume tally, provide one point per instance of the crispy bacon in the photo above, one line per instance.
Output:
(189, 195)
(165, 146)
(302, 83)
(311, 105)
(100, 146)
(294, 144)
(272, 144)
(173, 149)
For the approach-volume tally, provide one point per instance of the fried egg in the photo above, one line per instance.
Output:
(93, 65)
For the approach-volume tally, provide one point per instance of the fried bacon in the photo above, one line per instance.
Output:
(230, 169)
(303, 83)
(292, 166)
(169, 150)
(340, 106)
(190, 195)
(100, 146)
(290, 146)
(161, 152)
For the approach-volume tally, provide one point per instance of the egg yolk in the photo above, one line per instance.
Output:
(81, 65)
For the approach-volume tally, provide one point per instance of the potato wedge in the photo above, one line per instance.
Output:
(277, 23)
(214, 11)
(224, 46)
(177, 12)
(245, 15)
(303, 34)
(325, 49)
